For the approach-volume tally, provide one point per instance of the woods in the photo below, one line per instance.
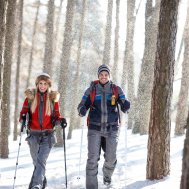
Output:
(70, 39)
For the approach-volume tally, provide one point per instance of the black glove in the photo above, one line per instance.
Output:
(63, 122)
(23, 121)
(125, 106)
(82, 111)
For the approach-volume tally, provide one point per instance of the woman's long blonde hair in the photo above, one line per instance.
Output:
(48, 104)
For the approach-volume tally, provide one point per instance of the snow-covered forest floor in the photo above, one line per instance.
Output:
(130, 172)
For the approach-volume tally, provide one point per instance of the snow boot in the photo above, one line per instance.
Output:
(36, 187)
(107, 181)
(44, 183)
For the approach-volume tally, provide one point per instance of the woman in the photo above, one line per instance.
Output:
(103, 98)
(42, 106)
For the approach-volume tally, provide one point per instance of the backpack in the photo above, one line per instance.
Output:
(92, 94)
(93, 91)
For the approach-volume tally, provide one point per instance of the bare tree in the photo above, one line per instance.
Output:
(32, 45)
(158, 159)
(57, 24)
(107, 44)
(57, 42)
(143, 101)
(5, 121)
(116, 43)
(73, 114)
(66, 51)
(128, 65)
(17, 80)
(3, 4)
(182, 105)
(2, 32)
(184, 184)
(47, 66)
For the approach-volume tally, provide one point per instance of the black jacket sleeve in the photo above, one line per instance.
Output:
(123, 101)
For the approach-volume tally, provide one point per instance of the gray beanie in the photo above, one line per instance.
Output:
(103, 67)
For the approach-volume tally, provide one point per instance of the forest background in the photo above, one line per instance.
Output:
(145, 43)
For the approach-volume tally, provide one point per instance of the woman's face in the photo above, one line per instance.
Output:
(43, 86)
(104, 77)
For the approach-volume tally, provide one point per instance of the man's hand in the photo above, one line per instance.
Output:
(82, 111)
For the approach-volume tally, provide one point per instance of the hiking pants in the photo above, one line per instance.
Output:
(40, 147)
(94, 145)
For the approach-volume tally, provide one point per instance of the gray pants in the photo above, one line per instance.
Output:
(40, 147)
(94, 145)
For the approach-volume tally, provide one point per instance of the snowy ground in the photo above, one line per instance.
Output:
(130, 171)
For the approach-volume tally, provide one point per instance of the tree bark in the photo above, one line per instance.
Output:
(158, 159)
(3, 5)
(17, 81)
(47, 66)
(184, 184)
(143, 102)
(32, 45)
(5, 122)
(107, 44)
(74, 113)
(66, 51)
(128, 65)
(182, 105)
(116, 44)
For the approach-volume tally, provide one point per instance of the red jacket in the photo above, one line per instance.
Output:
(34, 122)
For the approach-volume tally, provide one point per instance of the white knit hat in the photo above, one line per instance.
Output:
(43, 76)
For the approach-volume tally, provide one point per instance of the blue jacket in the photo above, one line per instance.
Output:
(102, 114)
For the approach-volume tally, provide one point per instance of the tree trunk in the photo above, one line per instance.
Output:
(66, 51)
(74, 113)
(158, 159)
(143, 102)
(58, 130)
(17, 81)
(32, 45)
(182, 105)
(128, 65)
(116, 44)
(184, 184)
(107, 44)
(5, 122)
(47, 67)
(57, 27)
(2, 34)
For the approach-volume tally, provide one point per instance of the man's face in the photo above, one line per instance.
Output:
(104, 77)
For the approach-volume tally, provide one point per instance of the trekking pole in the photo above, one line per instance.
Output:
(65, 156)
(126, 148)
(21, 131)
(81, 144)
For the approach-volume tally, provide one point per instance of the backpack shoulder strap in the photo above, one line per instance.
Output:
(52, 106)
(93, 90)
(29, 103)
(115, 90)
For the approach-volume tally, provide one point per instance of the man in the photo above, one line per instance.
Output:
(103, 98)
